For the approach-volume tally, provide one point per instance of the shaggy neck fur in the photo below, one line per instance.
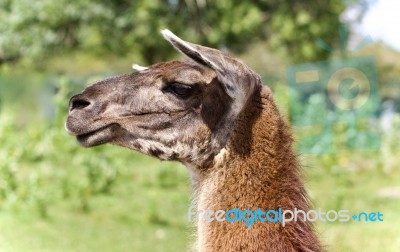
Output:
(257, 169)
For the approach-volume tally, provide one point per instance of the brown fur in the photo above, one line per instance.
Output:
(259, 169)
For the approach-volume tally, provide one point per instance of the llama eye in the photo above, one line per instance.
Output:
(180, 90)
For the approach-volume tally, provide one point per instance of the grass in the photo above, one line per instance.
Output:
(358, 191)
(139, 214)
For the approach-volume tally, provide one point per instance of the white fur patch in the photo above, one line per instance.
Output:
(220, 157)
(138, 68)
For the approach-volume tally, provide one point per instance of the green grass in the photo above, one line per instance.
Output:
(138, 215)
(358, 191)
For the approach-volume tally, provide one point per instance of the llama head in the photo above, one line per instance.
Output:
(174, 110)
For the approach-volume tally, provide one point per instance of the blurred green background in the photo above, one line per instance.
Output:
(58, 196)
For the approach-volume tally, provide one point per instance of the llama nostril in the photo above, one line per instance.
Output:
(78, 103)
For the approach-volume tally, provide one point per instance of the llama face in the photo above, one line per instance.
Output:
(168, 111)
(174, 111)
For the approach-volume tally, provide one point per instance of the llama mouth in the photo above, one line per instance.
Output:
(97, 137)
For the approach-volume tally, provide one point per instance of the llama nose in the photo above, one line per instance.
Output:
(78, 102)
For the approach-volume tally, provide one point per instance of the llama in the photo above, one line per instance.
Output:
(213, 114)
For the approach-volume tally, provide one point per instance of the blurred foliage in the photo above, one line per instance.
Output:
(29, 157)
(34, 30)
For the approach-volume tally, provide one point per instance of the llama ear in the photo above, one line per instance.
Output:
(189, 49)
(239, 80)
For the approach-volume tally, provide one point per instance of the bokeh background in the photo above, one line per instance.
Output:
(58, 196)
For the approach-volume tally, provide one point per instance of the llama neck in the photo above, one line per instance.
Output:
(258, 169)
